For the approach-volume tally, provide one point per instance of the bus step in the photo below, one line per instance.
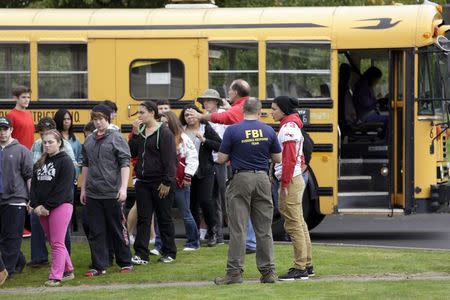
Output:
(370, 211)
(361, 183)
(363, 199)
(362, 167)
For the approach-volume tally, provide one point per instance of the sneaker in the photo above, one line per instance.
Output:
(294, 274)
(94, 272)
(188, 249)
(127, 269)
(270, 277)
(3, 276)
(26, 233)
(310, 270)
(68, 276)
(155, 252)
(52, 283)
(165, 259)
(137, 260)
(212, 241)
(220, 241)
(250, 251)
(229, 278)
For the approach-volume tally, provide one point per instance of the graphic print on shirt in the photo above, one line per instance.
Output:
(46, 172)
(254, 136)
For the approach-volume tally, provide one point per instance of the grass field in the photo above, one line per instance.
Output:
(207, 263)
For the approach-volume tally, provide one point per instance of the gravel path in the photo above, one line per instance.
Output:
(329, 278)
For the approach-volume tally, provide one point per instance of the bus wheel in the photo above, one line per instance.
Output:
(310, 212)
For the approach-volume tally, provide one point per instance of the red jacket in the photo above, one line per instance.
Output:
(234, 115)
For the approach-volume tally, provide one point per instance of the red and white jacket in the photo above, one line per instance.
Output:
(187, 157)
(291, 141)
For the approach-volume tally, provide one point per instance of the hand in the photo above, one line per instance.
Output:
(200, 136)
(190, 112)
(284, 192)
(225, 104)
(122, 195)
(44, 212)
(83, 199)
(38, 210)
(163, 190)
(186, 183)
(136, 124)
(304, 168)
(29, 208)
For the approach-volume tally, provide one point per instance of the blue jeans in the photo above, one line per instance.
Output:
(250, 243)
(39, 252)
(182, 200)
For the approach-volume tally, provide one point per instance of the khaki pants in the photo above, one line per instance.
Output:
(249, 194)
(291, 210)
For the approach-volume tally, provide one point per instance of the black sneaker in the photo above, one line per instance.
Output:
(310, 270)
(294, 274)
(166, 259)
(212, 241)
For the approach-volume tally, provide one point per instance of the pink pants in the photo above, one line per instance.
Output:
(55, 228)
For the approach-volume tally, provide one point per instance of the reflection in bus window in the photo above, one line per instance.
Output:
(230, 61)
(62, 71)
(300, 70)
(157, 79)
(14, 68)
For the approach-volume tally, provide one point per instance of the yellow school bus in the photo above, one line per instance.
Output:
(75, 58)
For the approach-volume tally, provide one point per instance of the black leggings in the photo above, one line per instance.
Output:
(202, 197)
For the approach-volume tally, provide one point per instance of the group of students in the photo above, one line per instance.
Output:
(174, 159)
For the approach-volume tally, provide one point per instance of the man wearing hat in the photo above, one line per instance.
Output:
(16, 170)
(212, 102)
(106, 168)
(289, 173)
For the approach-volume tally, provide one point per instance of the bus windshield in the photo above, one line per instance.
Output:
(434, 81)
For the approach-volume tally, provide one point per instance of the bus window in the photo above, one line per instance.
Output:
(434, 80)
(153, 79)
(14, 68)
(62, 71)
(230, 61)
(298, 69)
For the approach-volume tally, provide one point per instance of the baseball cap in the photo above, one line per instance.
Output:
(5, 123)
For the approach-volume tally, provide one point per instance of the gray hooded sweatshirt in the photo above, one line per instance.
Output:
(17, 168)
(105, 157)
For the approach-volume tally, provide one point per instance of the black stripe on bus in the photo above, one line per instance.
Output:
(304, 103)
(69, 104)
(163, 27)
(309, 127)
(325, 191)
(323, 148)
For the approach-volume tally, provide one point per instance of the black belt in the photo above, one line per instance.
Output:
(248, 171)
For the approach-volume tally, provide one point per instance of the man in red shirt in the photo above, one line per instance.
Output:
(238, 92)
(22, 119)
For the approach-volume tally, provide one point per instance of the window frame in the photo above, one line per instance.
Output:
(302, 71)
(152, 59)
(2, 43)
(44, 42)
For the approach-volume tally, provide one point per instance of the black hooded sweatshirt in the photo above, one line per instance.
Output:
(52, 183)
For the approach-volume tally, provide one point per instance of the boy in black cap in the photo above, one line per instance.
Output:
(106, 168)
(16, 170)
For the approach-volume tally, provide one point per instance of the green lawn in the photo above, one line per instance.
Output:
(207, 263)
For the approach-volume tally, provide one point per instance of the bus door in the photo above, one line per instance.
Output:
(154, 69)
(402, 127)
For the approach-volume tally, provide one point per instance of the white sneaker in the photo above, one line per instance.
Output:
(138, 261)
(155, 252)
(190, 249)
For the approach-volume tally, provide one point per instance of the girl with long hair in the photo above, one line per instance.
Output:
(205, 140)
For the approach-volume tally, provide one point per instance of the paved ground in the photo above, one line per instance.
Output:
(430, 231)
